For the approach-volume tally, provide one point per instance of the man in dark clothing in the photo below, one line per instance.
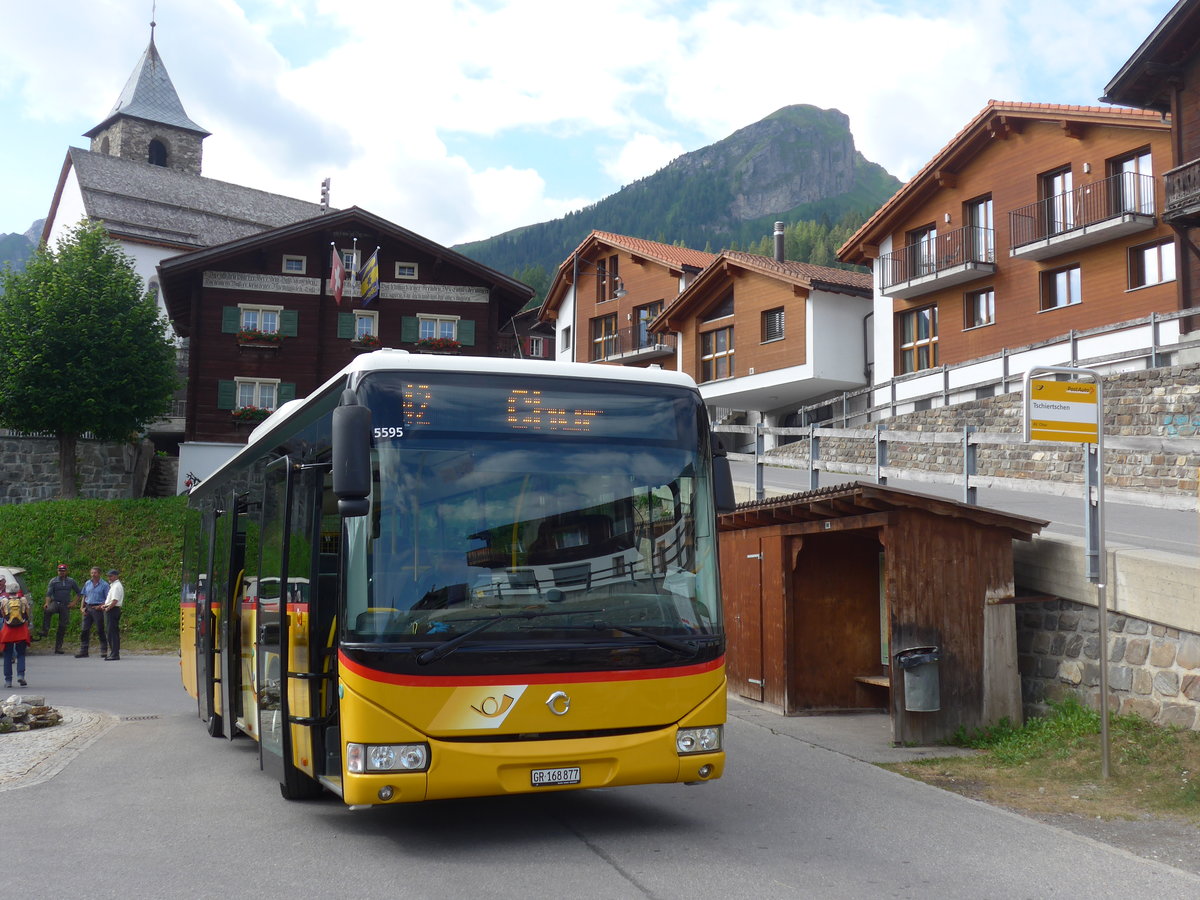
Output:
(60, 596)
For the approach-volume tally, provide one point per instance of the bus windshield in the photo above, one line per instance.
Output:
(552, 510)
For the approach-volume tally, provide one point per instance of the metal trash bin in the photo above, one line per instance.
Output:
(922, 690)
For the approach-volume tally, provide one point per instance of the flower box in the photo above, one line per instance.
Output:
(252, 337)
(366, 342)
(439, 345)
(250, 414)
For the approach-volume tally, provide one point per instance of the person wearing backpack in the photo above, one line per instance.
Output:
(14, 633)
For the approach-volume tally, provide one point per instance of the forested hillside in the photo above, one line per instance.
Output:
(799, 166)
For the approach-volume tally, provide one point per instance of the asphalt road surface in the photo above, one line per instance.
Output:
(153, 807)
(1144, 525)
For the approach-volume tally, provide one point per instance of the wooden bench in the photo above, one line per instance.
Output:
(882, 681)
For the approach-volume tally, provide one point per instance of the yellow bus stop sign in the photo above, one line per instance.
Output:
(1063, 411)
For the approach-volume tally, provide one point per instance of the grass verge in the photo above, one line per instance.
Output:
(1052, 766)
(142, 538)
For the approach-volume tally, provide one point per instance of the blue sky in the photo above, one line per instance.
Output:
(460, 120)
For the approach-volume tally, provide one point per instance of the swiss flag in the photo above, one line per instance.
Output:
(337, 276)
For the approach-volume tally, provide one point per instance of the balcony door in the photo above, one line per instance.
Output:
(1058, 200)
(980, 217)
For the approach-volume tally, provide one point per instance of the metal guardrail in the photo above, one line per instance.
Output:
(968, 439)
(857, 406)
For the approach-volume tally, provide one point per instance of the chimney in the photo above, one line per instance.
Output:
(778, 242)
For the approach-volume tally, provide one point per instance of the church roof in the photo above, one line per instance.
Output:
(153, 204)
(150, 95)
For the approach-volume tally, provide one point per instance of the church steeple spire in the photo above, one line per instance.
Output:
(148, 122)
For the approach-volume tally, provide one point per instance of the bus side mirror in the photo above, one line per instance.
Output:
(723, 497)
(352, 456)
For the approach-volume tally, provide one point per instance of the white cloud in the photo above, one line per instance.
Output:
(641, 155)
(464, 118)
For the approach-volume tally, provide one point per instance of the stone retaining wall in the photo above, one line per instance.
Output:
(105, 471)
(1154, 670)
(1161, 403)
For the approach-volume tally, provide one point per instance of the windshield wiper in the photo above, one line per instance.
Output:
(435, 653)
(683, 648)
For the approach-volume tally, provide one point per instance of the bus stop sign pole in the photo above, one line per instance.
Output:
(1072, 411)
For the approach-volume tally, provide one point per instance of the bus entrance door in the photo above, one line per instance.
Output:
(271, 663)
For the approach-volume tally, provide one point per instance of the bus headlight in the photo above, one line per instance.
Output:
(698, 740)
(387, 757)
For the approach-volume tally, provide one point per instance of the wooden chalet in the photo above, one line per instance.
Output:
(607, 292)
(263, 325)
(1034, 222)
(823, 589)
(767, 334)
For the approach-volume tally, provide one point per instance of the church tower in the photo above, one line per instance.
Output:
(148, 123)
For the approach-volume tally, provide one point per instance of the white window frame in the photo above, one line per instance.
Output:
(536, 347)
(256, 384)
(294, 258)
(407, 271)
(437, 322)
(258, 309)
(368, 316)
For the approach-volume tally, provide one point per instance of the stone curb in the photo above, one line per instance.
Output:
(32, 757)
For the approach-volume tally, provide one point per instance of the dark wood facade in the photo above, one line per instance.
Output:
(286, 271)
(823, 589)
(1163, 75)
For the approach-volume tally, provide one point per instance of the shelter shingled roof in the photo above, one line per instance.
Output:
(861, 498)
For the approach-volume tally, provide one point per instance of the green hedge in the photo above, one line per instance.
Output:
(142, 538)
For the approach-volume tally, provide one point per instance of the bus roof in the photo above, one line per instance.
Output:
(388, 360)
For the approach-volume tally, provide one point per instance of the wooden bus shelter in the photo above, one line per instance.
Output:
(824, 588)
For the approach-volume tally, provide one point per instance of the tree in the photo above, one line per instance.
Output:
(83, 347)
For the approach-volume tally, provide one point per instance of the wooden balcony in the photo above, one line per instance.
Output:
(944, 260)
(1183, 195)
(1102, 211)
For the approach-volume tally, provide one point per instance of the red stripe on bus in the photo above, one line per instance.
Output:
(541, 678)
(191, 604)
(297, 607)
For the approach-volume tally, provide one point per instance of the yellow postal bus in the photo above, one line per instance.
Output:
(444, 577)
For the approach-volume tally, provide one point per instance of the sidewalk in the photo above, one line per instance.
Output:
(865, 736)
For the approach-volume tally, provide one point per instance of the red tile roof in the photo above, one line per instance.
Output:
(1113, 115)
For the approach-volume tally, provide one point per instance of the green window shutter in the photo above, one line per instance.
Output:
(409, 330)
(466, 332)
(346, 326)
(289, 319)
(226, 394)
(231, 319)
(286, 392)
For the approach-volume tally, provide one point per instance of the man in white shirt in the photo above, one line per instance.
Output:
(112, 613)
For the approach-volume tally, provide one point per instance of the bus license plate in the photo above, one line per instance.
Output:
(551, 777)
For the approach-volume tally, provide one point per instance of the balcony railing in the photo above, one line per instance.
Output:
(963, 254)
(632, 344)
(1183, 194)
(1101, 211)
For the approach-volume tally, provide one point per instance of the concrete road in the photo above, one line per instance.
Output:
(153, 807)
